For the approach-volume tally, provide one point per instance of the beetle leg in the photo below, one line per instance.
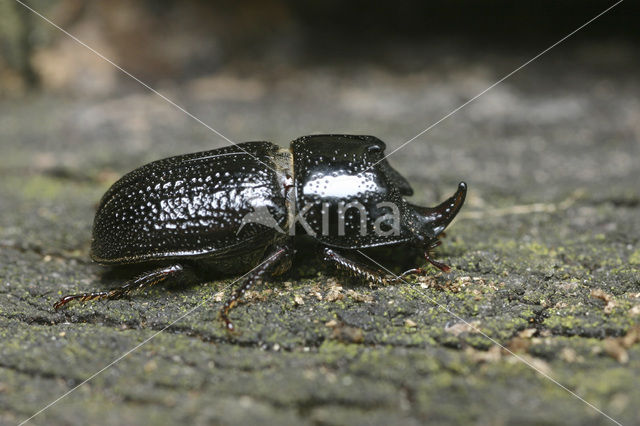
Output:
(427, 255)
(355, 267)
(423, 271)
(274, 260)
(413, 271)
(442, 266)
(146, 280)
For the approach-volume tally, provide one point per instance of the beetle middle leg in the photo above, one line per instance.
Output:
(275, 264)
(145, 280)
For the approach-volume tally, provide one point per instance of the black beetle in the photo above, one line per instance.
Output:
(233, 208)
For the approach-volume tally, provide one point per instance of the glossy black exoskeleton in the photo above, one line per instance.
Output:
(237, 209)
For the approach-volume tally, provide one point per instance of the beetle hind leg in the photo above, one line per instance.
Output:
(145, 280)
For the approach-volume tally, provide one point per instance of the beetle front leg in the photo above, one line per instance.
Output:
(145, 280)
(427, 255)
(355, 267)
(277, 258)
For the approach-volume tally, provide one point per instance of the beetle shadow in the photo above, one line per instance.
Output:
(307, 263)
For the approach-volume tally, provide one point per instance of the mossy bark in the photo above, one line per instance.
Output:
(545, 260)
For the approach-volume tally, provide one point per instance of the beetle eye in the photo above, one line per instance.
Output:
(374, 148)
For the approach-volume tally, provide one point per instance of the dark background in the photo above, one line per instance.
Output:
(158, 40)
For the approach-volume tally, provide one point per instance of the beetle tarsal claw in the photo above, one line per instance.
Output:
(413, 271)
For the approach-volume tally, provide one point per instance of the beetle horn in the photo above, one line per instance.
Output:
(440, 217)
